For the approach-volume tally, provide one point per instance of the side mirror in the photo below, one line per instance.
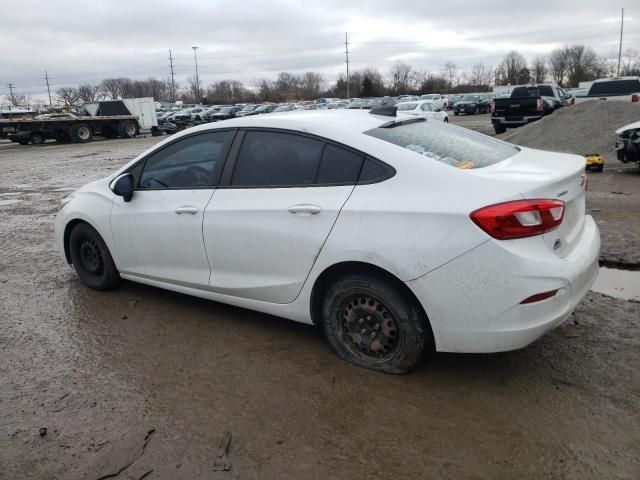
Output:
(123, 186)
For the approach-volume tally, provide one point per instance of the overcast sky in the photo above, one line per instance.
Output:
(84, 41)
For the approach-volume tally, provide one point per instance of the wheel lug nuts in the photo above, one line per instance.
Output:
(361, 321)
(363, 331)
(377, 326)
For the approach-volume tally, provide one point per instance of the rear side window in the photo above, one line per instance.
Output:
(339, 165)
(615, 87)
(277, 159)
(457, 147)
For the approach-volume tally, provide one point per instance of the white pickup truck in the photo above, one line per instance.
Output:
(621, 89)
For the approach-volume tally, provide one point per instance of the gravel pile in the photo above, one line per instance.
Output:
(588, 127)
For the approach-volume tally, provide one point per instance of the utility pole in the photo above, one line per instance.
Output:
(195, 57)
(46, 77)
(173, 83)
(346, 51)
(620, 48)
(13, 99)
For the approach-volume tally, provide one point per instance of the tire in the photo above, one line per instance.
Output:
(156, 133)
(37, 138)
(109, 132)
(455, 113)
(599, 168)
(499, 128)
(81, 133)
(23, 141)
(128, 129)
(91, 258)
(397, 331)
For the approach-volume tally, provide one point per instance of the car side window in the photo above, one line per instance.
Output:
(373, 171)
(186, 163)
(276, 159)
(425, 107)
(339, 166)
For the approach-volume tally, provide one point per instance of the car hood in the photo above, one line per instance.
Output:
(631, 126)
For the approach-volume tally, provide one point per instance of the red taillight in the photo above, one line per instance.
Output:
(634, 98)
(493, 106)
(538, 297)
(539, 105)
(520, 218)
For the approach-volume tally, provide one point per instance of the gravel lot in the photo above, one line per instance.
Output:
(141, 380)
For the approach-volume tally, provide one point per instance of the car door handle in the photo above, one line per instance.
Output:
(305, 208)
(187, 209)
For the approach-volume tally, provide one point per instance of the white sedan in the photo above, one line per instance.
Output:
(422, 108)
(396, 235)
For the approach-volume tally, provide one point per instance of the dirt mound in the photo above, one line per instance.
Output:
(587, 127)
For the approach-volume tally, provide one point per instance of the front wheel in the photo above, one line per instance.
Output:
(374, 325)
(91, 258)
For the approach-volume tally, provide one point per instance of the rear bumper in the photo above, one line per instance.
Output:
(474, 302)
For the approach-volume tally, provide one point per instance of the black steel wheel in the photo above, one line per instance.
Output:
(91, 258)
(37, 138)
(372, 323)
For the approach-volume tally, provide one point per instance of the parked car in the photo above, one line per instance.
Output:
(621, 89)
(407, 98)
(397, 236)
(246, 110)
(225, 113)
(357, 104)
(526, 104)
(472, 104)
(262, 109)
(435, 97)
(452, 99)
(284, 108)
(164, 126)
(628, 143)
(211, 112)
(422, 108)
(337, 105)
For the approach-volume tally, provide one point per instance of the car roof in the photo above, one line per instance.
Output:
(306, 120)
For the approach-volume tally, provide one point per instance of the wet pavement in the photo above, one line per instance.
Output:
(141, 382)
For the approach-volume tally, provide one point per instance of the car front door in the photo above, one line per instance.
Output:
(280, 195)
(158, 234)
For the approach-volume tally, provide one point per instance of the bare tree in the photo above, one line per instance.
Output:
(403, 78)
(451, 73)
(512, 70)
(582, 65)
(480, 75)
(69, 96)
(559, 64)
(88, 93)
(539, 70)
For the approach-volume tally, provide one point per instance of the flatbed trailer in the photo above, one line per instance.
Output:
(109, 119)
(69, 130)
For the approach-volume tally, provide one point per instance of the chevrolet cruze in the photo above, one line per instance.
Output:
(396, 235)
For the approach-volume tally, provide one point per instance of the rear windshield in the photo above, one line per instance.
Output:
(470, 98)
(403, 107)
(457, 147)
(541, 91)
(615, 87)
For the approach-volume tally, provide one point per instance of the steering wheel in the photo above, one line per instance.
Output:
(194, 176)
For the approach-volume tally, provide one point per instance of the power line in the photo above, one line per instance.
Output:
(195, 57)
(346, 51)
(46, 77)
(173, 83)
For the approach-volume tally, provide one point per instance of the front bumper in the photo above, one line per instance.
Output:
(474, 302)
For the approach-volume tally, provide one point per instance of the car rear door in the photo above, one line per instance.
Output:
(279, 198)
(158, 234)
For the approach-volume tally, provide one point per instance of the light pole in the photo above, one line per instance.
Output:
(195, 57)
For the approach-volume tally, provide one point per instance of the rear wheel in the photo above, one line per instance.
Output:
(37, 138)
(23, 141)
(128, 129)
(81, 133)
(374, 325)
(499, 128)
(91, 258)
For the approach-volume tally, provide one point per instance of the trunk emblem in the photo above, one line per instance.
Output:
(557, 244)
(564, 192)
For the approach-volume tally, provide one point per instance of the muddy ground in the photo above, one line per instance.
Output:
(141, 381)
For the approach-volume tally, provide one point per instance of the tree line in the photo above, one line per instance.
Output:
(566, 66)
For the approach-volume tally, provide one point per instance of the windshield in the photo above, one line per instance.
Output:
(249, 108)
(263, 108)
(457, 147)
(470, 98)
(284, 108)
(225, 110)
(403, 107)
(427, 97)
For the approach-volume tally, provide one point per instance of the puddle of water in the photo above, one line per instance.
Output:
(624, 284)
(8, 202)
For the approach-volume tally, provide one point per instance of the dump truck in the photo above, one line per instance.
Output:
(109, 119)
